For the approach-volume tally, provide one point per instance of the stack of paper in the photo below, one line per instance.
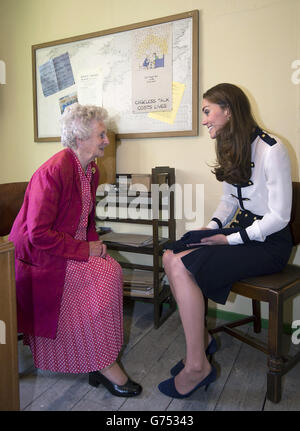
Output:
(134, 240)
(138, 283)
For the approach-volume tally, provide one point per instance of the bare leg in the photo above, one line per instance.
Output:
(191, 307)
(115, 374)
(207, 336)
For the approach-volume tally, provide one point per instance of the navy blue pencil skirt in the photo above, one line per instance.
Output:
(216, 267)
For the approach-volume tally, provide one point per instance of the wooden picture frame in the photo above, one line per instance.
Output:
(107, 163)
(77, 51)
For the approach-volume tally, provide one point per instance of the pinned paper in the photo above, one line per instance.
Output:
(90, 87)
(56, 74)
(152, 69)
(67, 100)
(169, 117)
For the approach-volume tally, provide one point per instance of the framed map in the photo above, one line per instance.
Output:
(102, 68)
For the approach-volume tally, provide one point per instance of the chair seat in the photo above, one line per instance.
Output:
(276, 281)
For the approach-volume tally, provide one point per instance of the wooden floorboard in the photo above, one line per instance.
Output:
(246, 379)
(147, 356)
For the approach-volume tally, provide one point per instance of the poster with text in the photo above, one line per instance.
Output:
(152, 71)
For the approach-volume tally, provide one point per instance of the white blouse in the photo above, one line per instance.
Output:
(268, 193)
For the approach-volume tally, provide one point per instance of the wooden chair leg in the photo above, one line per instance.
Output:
(257, 316)
(275, 360)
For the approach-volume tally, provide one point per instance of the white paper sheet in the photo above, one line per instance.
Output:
(90, 87)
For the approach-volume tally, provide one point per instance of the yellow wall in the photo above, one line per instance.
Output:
(251, 43)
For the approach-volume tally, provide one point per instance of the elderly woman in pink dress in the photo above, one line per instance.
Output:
(69, 290)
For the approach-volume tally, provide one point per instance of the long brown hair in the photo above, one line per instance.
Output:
(233, 143)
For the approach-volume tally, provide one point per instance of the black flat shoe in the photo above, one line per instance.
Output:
(129, 389)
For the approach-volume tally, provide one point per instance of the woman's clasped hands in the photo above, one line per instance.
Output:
(218, 239)
(97, 248)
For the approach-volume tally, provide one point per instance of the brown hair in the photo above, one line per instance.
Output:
(233, 143)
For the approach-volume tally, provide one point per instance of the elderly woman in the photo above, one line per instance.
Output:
(69, 290)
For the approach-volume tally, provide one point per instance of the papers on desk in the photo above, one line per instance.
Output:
(134, 240)
(139, 283)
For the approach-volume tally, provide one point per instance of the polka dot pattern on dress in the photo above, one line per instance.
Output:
(90, 327)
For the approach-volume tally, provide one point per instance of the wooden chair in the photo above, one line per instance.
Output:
(11, 199)
(274, 289)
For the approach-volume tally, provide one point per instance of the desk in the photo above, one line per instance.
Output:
(9, 373)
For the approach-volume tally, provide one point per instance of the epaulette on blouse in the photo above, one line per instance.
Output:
(266, 138)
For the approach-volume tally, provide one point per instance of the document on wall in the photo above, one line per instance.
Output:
(152, 69)
(90, 87)
(169, 117)
(67, 100)
(56, 74)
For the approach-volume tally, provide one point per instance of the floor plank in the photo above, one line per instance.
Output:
(157, 368)
(147, 356)
(223, 360)
(62, 394)
(246, 383)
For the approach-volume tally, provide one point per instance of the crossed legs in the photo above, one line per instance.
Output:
(191, 307)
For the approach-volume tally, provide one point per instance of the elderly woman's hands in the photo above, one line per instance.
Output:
(97, 248)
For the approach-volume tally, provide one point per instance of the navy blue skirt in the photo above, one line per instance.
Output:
(216, 267)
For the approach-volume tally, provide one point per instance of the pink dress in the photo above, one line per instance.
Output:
(90, 328)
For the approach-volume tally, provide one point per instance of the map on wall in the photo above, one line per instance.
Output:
(98, 70)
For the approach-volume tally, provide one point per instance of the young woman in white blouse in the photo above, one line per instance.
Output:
(254, 210)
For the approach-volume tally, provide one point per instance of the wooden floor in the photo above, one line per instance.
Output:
(147, 356)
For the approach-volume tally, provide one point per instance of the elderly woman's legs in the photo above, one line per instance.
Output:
(115, 374)
(191, 307)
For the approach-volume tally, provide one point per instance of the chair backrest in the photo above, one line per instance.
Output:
(295, 215)
(11, 199)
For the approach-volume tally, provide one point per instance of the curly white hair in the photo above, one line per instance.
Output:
(76, 122)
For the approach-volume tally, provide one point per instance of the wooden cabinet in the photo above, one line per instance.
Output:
(9, 377)
(161, 199)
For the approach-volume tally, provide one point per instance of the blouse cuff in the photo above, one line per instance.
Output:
(213, 225)
(234, 239)
(219, 223)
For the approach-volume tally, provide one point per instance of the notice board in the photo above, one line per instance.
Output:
(59, 68)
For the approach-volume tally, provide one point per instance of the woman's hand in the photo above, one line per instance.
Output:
(97, 248)
(215, 240)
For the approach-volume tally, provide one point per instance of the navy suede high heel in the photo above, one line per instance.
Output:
(167, 387)
(210, 350)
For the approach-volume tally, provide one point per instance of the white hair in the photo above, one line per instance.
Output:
(76, 122)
